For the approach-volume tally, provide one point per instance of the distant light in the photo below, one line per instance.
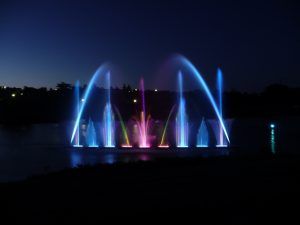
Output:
(155, 90)
(4, 87)
(21, 93)
(135, 89)
(134, 101)
(13, 95)
(272, 125)
(82, 100)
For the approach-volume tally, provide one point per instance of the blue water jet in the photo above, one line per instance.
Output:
(86, 95)
(188, 64)
(77, 109)
(181, 118)
(91, 137)
(202, 136)
(221, 142)
(108, 119)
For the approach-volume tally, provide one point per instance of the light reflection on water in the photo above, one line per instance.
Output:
(109, 159)
(273, 140)
(85, 156)
(76, 159)
(144, 157)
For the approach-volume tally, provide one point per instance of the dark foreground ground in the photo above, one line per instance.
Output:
(260, 189)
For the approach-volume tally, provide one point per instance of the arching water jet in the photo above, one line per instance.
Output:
(77, 109)
(188, 64)
(86, 95)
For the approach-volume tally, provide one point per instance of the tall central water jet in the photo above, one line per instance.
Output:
(108, 119)
(181, 118)
(143, 124)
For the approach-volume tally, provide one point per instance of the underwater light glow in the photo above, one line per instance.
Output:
(163, 146)
(126, 146)
(77, 146)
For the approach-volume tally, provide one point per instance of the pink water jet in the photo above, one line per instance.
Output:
(143, 122)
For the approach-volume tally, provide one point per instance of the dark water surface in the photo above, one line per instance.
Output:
(41, 148)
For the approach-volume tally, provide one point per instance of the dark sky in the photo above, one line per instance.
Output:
(255, 42)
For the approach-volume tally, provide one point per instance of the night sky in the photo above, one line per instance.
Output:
(256, 42)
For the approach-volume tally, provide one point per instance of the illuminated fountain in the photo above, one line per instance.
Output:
(81, 107)
(191, 68)
(221, 141)
(143, 123)
(181, 119)
(91, 137)
(202, 135)
(108, 120)
(77, 106)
